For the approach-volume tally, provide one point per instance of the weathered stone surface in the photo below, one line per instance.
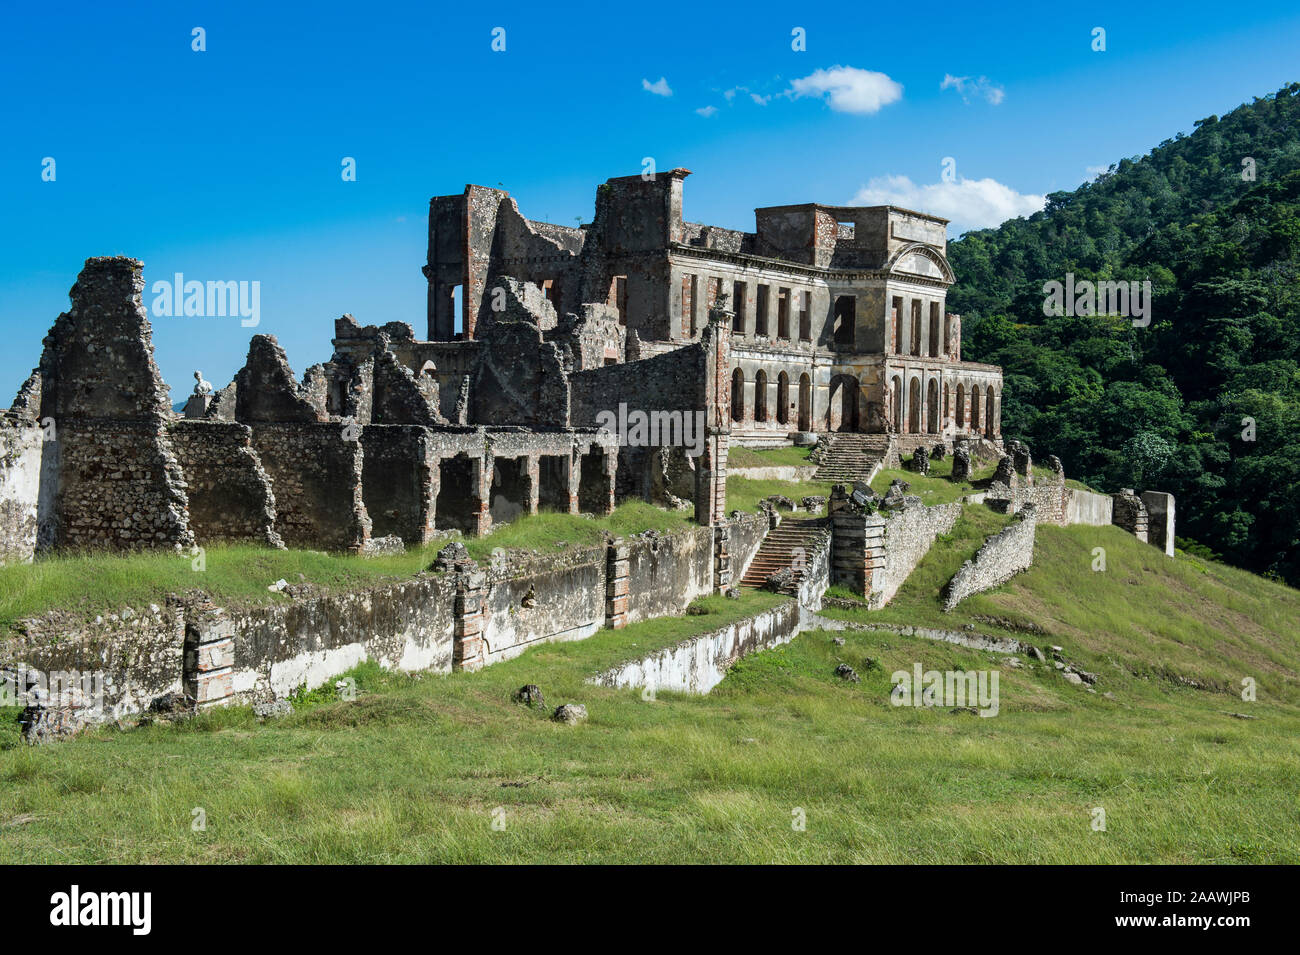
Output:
(961, 464)
(265, 389)
(921, 461)
(530, 695)
(118, 482)
(570, 713)
(847, 673)
(1002, 556)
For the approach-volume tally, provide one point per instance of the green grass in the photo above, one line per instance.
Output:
(91, 583)
(414, 769)
(1145, 614)
(739, 456)
(745, 493)
(937, 487)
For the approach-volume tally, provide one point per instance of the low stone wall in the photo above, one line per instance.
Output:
(873, 553)
(667, 572)
(776, 472)
(746, 535)
(905, 539)
(1085, 507)
(817, 573)
(467, 616)
(1050, 498)
(1003, 555)
(700, 663)
(541, 599)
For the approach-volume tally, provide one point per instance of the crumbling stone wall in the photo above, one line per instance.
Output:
(1130, 513)
(1007, 553)
(400, 481)
(1160, 520)
(119, 483)
(668, 571)
(21, 446)
(316, 472)
(874, 552)
(230, 494)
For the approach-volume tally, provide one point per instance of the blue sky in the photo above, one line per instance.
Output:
(225, 164)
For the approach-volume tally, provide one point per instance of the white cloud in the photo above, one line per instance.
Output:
(980, 87)
(661, 88)
(969, 203)
(1095, 171)
(848, 89)
(707, 111)
(760, 100)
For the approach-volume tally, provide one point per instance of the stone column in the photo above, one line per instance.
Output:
(573, 478)
(532, 483)
(611, 475)
(469, 651)
(481, 489)
(209, 656)
(721, 557)
(618, 569)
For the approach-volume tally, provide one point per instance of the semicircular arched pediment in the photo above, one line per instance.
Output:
(923, 260)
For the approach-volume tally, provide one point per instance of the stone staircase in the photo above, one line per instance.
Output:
(852, 457)
(777, 552)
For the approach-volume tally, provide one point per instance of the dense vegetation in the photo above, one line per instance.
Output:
(1169, 406)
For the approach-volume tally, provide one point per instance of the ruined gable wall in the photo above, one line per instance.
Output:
(519, 379)
(119, 483)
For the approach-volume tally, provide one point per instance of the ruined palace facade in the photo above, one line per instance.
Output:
(826, 319)
(838, 312)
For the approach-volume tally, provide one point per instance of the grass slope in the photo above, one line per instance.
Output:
(413, 769)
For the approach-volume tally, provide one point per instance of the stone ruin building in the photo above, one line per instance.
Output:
(826, 320)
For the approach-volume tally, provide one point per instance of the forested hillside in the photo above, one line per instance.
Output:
(1203, 402)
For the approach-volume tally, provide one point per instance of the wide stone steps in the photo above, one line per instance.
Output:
(852, 457)
(777, 552)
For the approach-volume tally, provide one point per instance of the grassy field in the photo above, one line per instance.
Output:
(937, 487)
(745, 493)
(739, 456)
(417, 768)
(93, 583)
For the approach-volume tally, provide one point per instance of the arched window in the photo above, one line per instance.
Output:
(737, 395)
(932, 407)
(783, 398)
(989, 414)
(760, 396)
(961, 405)
(975, 409)
(914, 407)
(896, 404)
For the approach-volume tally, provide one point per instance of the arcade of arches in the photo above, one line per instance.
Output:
(927, 404)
